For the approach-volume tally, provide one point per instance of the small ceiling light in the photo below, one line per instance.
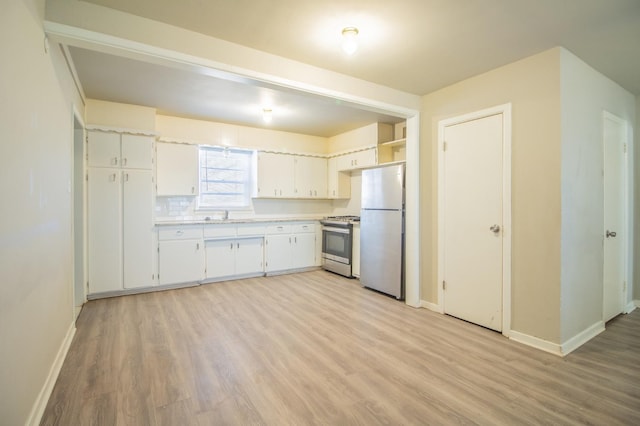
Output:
(350, 40)
(267, 115)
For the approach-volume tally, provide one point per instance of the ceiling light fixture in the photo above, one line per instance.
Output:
(350, 40)
(267, 115)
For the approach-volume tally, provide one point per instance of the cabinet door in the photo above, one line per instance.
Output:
(304, 250)
(365, 158)
(137, 152)
(275, 175)
(137, 228)
(180, 261)
(221, 255)
(344, 162)
(103, 149)
(177, 169)
(339, 183)
(278, 253)
(104, 230)
(311, 177)
(249, 256)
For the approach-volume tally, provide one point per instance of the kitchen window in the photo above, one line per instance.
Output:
(225, 178)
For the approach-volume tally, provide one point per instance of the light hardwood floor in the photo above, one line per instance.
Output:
(315, 348)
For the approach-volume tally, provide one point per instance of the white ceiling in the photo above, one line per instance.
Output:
(417, 46)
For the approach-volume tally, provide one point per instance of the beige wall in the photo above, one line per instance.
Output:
(36, 308)
(585, 95)
(532, 86)
(123, 116)
(211, 133)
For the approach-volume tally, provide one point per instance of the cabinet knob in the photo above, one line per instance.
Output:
(124, 161)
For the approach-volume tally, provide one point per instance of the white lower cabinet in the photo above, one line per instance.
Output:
(278, 253)
(221, 258)
(290, 247)
(181, 255)
(304, 250)
(250, 256)
(234, 257)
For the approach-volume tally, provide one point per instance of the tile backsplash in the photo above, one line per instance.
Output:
(176, 208)
(185, 208)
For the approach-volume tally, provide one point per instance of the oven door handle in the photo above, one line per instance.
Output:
(338, 230)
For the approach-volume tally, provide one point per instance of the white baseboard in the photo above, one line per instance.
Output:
(43, 397)
(535, 342)
(431, 306)
(631, 306)
(563, 349)
(581, 338)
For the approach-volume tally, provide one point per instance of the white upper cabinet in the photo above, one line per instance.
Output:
(103, 149)
(275, 175)
(136, 151)
(177, 169)
(310, 177)
(338, 183)
(357, 160)
(106, 149)
(291, 176)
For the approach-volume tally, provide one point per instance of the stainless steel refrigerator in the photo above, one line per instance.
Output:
(382, 230)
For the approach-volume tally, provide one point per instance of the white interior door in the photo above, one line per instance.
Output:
(614, 139)
(473, 222)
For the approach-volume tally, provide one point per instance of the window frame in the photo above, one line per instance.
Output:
(247, 183)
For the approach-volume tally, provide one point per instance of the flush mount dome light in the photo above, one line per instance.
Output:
(350, 40)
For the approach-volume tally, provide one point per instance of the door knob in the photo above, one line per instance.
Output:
(610, 234)
(495, 229)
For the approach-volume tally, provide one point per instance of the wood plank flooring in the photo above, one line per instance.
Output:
(316, 348)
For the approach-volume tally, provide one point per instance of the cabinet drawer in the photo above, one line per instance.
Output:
(252, 229)
(180, 233)
(279, 229)
(303, 227)
(219, 231)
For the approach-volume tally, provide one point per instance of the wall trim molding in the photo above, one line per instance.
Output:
(563, 349)
(431, 306)
(535, 342)
(43, 397)
(581, 338)
(631, 306)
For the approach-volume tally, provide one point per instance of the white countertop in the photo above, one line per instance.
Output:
(239, 220)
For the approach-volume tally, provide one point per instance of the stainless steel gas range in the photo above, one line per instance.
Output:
(337, 242)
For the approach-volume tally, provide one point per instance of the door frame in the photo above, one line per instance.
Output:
(505, 110)
(627, 209)
(78, 216)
